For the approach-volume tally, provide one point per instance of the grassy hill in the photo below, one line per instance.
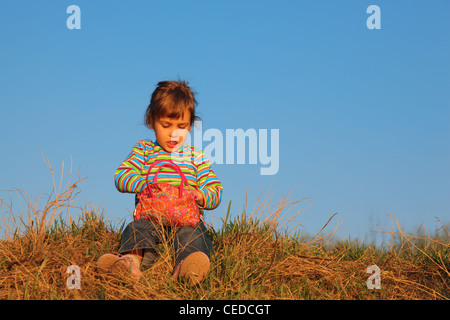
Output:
(255, 259)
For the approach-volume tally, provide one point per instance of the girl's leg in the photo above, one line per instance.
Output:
(139, 235)
(193, 248)
(138, 239)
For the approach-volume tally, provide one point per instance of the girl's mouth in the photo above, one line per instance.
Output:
(172, 144)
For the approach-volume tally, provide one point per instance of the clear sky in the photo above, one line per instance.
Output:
(363, 114)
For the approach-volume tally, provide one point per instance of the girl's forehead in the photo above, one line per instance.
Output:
(184, 118)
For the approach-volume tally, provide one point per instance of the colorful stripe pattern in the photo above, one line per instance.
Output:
(130, 176)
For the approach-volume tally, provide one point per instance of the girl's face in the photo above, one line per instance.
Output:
(172, 133)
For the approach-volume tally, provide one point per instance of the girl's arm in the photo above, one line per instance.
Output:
(128, 177)
(209, 184)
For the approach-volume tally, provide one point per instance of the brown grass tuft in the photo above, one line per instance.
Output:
(255, 258)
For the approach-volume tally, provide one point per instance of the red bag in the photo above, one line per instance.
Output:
(166, 203)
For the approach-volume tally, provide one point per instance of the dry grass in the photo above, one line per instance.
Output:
(255, 258)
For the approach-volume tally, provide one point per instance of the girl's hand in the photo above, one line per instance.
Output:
(199, 197)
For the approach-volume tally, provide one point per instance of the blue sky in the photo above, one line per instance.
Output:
(362, 114)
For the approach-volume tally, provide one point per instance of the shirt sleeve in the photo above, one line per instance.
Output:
(208, 183)
(129, 177)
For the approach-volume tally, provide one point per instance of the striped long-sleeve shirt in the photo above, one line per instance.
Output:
(130, 176)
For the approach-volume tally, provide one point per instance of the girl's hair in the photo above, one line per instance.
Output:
(171, 99)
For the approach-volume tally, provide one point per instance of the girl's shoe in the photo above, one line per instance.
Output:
(193, 268)
(106, 261)
(125, 264)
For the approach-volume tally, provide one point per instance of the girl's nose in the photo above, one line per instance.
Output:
(178, 139)
(178, 134)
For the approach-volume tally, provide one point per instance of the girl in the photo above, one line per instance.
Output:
(171, 114)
